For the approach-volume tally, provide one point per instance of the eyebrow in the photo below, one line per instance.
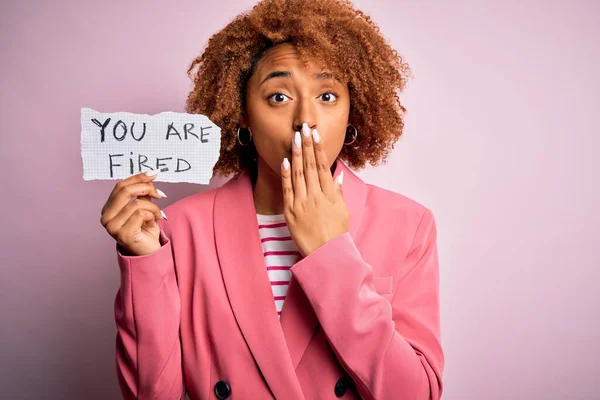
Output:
(286, 74)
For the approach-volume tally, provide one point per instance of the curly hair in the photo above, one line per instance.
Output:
(356, 53)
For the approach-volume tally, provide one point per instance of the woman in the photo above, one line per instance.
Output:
(350, 269)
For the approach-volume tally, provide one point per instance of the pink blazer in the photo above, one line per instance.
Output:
(361, 316)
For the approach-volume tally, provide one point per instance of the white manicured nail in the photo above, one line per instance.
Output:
(163, 214)
(305, 129)
(316, 136)
(297, 140)
(340, 177)
(154, 172)
(161, 193)
(286, 164)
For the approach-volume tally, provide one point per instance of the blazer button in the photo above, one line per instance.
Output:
(222, 390)
(340, 387)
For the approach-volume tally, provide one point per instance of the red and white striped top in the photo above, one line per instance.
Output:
(280, 254)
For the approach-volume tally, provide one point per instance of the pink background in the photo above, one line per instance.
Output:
(500, 143)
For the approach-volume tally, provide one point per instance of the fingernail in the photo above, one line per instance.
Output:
(305, 129)
(156, 171)
(163, 214)
(286, 164)
(316, 136)
(297, 140)
(340, 177)
(161, 193)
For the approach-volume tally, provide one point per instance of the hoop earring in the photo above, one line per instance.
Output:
(354, 135)
(240, 140)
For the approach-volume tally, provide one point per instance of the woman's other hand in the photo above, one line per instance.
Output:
(134, 224)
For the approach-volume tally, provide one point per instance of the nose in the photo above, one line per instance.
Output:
(305, 113)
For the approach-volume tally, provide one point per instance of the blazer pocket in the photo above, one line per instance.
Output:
(383, 285)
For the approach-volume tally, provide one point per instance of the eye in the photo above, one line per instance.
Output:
(329, 94)
(278, 97)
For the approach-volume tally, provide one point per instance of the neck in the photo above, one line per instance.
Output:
(267, 190)
(268, 197)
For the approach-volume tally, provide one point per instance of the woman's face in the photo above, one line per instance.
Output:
(282, 95)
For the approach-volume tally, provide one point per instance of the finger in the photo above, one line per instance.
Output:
(339, 181)
(323, 170)
(118, 222)
(286, 184)
(147, 198)
(124, 196)
(142, 177)
(308, 158)
(132, 229)
(298, 168)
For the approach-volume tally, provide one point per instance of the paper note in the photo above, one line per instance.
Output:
(117, 145)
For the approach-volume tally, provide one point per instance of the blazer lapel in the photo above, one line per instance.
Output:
(245, 276)
(276, 345)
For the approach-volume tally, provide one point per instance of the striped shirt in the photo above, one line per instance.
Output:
(280, 253)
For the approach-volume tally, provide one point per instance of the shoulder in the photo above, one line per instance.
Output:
(392, 203)
(195, 210)
(191, 203)
(397, 211)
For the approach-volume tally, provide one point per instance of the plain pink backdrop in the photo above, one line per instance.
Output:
(500, 143)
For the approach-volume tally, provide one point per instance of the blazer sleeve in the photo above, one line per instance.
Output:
(147, 314)
(391, 349)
